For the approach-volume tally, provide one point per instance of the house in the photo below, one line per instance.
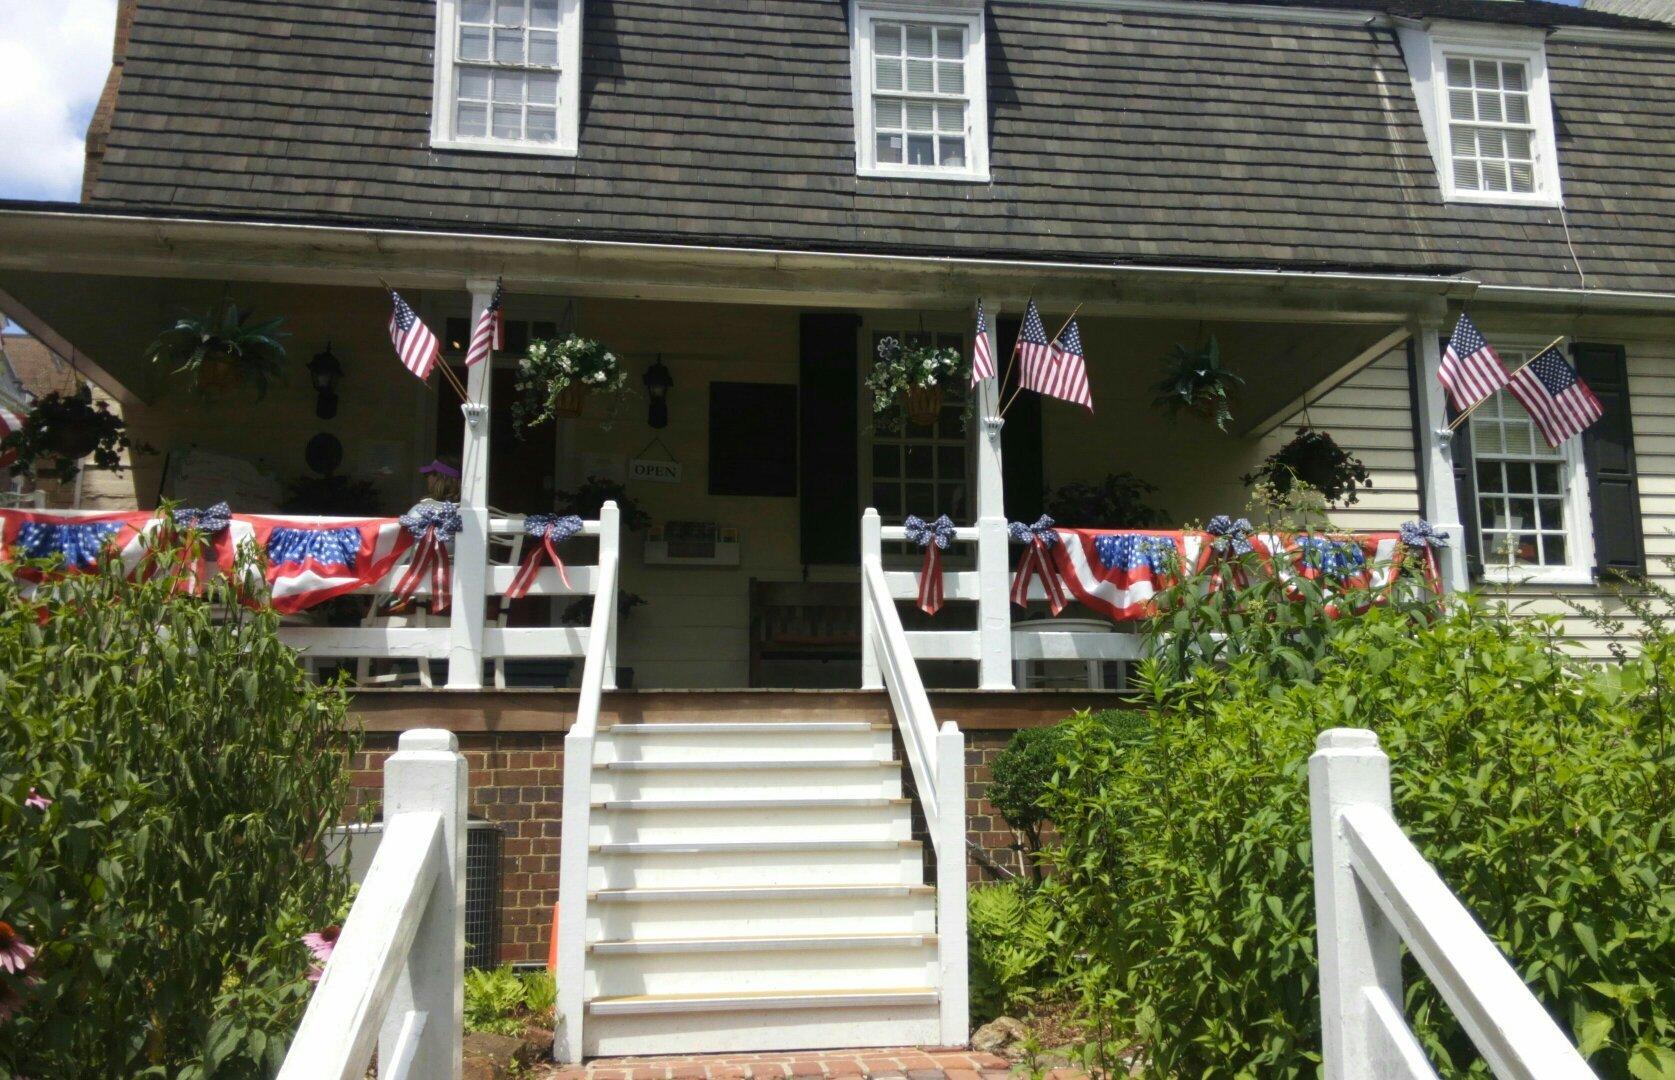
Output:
(752, 196)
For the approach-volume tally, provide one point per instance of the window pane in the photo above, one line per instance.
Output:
(1489, 513)
(950, 499)
(476, 11)
(950, 462)
(508, 46)
(508, 12)
(543, 13)
(1487, 74)
(1518, 478)
(950, 117)
(1512, 76)
(1522, 513)
(889, 149)
(471, 121)
(1523, 178)
(1517, 109)
(950, 78)
(887, 114)
(1552, 515)
(474, 84)
(1465, 174)
(1556, 550)
(919, 462)
(1547, 479)
(1459, 72)
(508, 87)
(1463, 140)
(1490, 143)
(1460, 105)
(1494, 176)
(473, 43)
(888, 73)
(887, 499)
(543, 89)
(886, 39)
(950, 42)
(920, 76)
(543, 48)
(1489, 476)
(1488, 106)
(886, 460)
(920, 150)
(508, 122)
(921, 116)
(921, 500)
(919, 40)
(543, 125)
(953, 153)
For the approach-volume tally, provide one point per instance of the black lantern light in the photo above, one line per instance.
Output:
(658, 382)
(324, 371)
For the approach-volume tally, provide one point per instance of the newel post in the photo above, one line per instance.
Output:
(610, 544)
(471, 546)
(994, 612)
(872, 551)
(1359, 949)
(427, 774)
(955, 1018)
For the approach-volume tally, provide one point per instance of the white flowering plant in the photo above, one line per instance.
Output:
(901, 369)
(563, 367)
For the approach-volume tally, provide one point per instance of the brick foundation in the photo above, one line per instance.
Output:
(517, 783)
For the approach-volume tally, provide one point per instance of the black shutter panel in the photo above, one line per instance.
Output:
(1022, 467)
(1608, 452)
(1465, 493)
(830, 506)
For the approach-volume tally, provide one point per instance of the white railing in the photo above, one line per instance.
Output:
(464, 631)
(397, 974)
(1373, 892)
(598, 675)
(936, 757)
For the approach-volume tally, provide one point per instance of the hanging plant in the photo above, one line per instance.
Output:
(555, 376)
(912, 376)
(1197, 382)
(591, 496)
(1313, 458)
(63, 429)
(221, 350)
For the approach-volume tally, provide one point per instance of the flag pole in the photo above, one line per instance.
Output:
(1066, 325)
(1464, 416)
(1020, 388)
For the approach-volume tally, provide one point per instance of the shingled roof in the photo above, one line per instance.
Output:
(1118, 135)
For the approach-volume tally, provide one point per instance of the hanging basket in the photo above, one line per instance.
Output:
(218, 376)
(568, 402)
(923, 404)
(73, 439)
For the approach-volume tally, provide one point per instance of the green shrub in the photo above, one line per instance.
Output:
(192, 771)
(1540, 790)
(1009, 930)
(1018, 778)
(504, 1002)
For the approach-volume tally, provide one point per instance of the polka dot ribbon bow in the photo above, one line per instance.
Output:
(549, 529)
(1037, 563)
(934, 537)
(434, 524)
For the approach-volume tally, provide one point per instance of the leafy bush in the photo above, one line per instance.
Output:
(167, 775)
(1539, 789)
(1010, 942)
(504, 1002)
(1116, 502)
(1018, 778)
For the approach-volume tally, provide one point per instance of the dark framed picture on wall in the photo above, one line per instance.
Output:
(753, 439)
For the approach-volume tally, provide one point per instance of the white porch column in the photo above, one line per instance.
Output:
(471, 546)
(994, 615)
(1435, 452)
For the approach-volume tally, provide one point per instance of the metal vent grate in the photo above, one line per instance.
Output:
(482, 894)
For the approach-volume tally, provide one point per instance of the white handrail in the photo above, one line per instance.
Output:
(598, 675)
(397, 973)
(1374, 891)
(909, 702)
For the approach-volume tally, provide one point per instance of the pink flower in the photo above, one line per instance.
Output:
(15, 953)
(315, 972)
(322, 942)
(36, 800)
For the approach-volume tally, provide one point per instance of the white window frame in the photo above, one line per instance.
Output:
(1578, 569)
(967, 14)
(1428, 51)
(442, 135)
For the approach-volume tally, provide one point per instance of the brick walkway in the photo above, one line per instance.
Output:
(908, 1063)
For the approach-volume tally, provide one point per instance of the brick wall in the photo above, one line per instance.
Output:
(517, 780)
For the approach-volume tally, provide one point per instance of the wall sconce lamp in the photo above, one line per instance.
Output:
(658, 383)
(324, 371)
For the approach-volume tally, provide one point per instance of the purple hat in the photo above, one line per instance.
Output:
(441, 468)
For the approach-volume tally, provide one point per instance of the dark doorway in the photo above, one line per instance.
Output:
(521, 470)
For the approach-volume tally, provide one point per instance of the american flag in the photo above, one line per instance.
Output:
(1470, 370)
(1557, 399)
(1032, 346)
(490, 332)
(414, 343)
(1065, 375)
(982, 354)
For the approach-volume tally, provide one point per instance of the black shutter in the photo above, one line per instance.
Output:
(1465, 493)
(1022, 467)
(1608, 452)
(828, 399)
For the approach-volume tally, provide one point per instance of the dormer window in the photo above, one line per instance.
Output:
(1484, 103)
(920, 106)
(507, 76)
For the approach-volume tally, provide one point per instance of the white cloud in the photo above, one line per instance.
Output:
(54, 56)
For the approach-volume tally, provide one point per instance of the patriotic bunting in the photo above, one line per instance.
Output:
(1037, 563)
(550, 529)
(934, 537)
(310, 562)
(433, 525)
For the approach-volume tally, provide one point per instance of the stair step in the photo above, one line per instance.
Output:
(809, 942)
(729, 847)
(752, 727)
(708, 894)
(773, 999)
(766, 822)
(733, 766)
(621, 806)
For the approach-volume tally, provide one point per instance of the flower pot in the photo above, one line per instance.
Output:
(73, 439)
(923, 404)
(568, 402)
(218, 375)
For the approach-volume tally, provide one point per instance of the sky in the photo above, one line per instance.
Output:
(55, 55)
